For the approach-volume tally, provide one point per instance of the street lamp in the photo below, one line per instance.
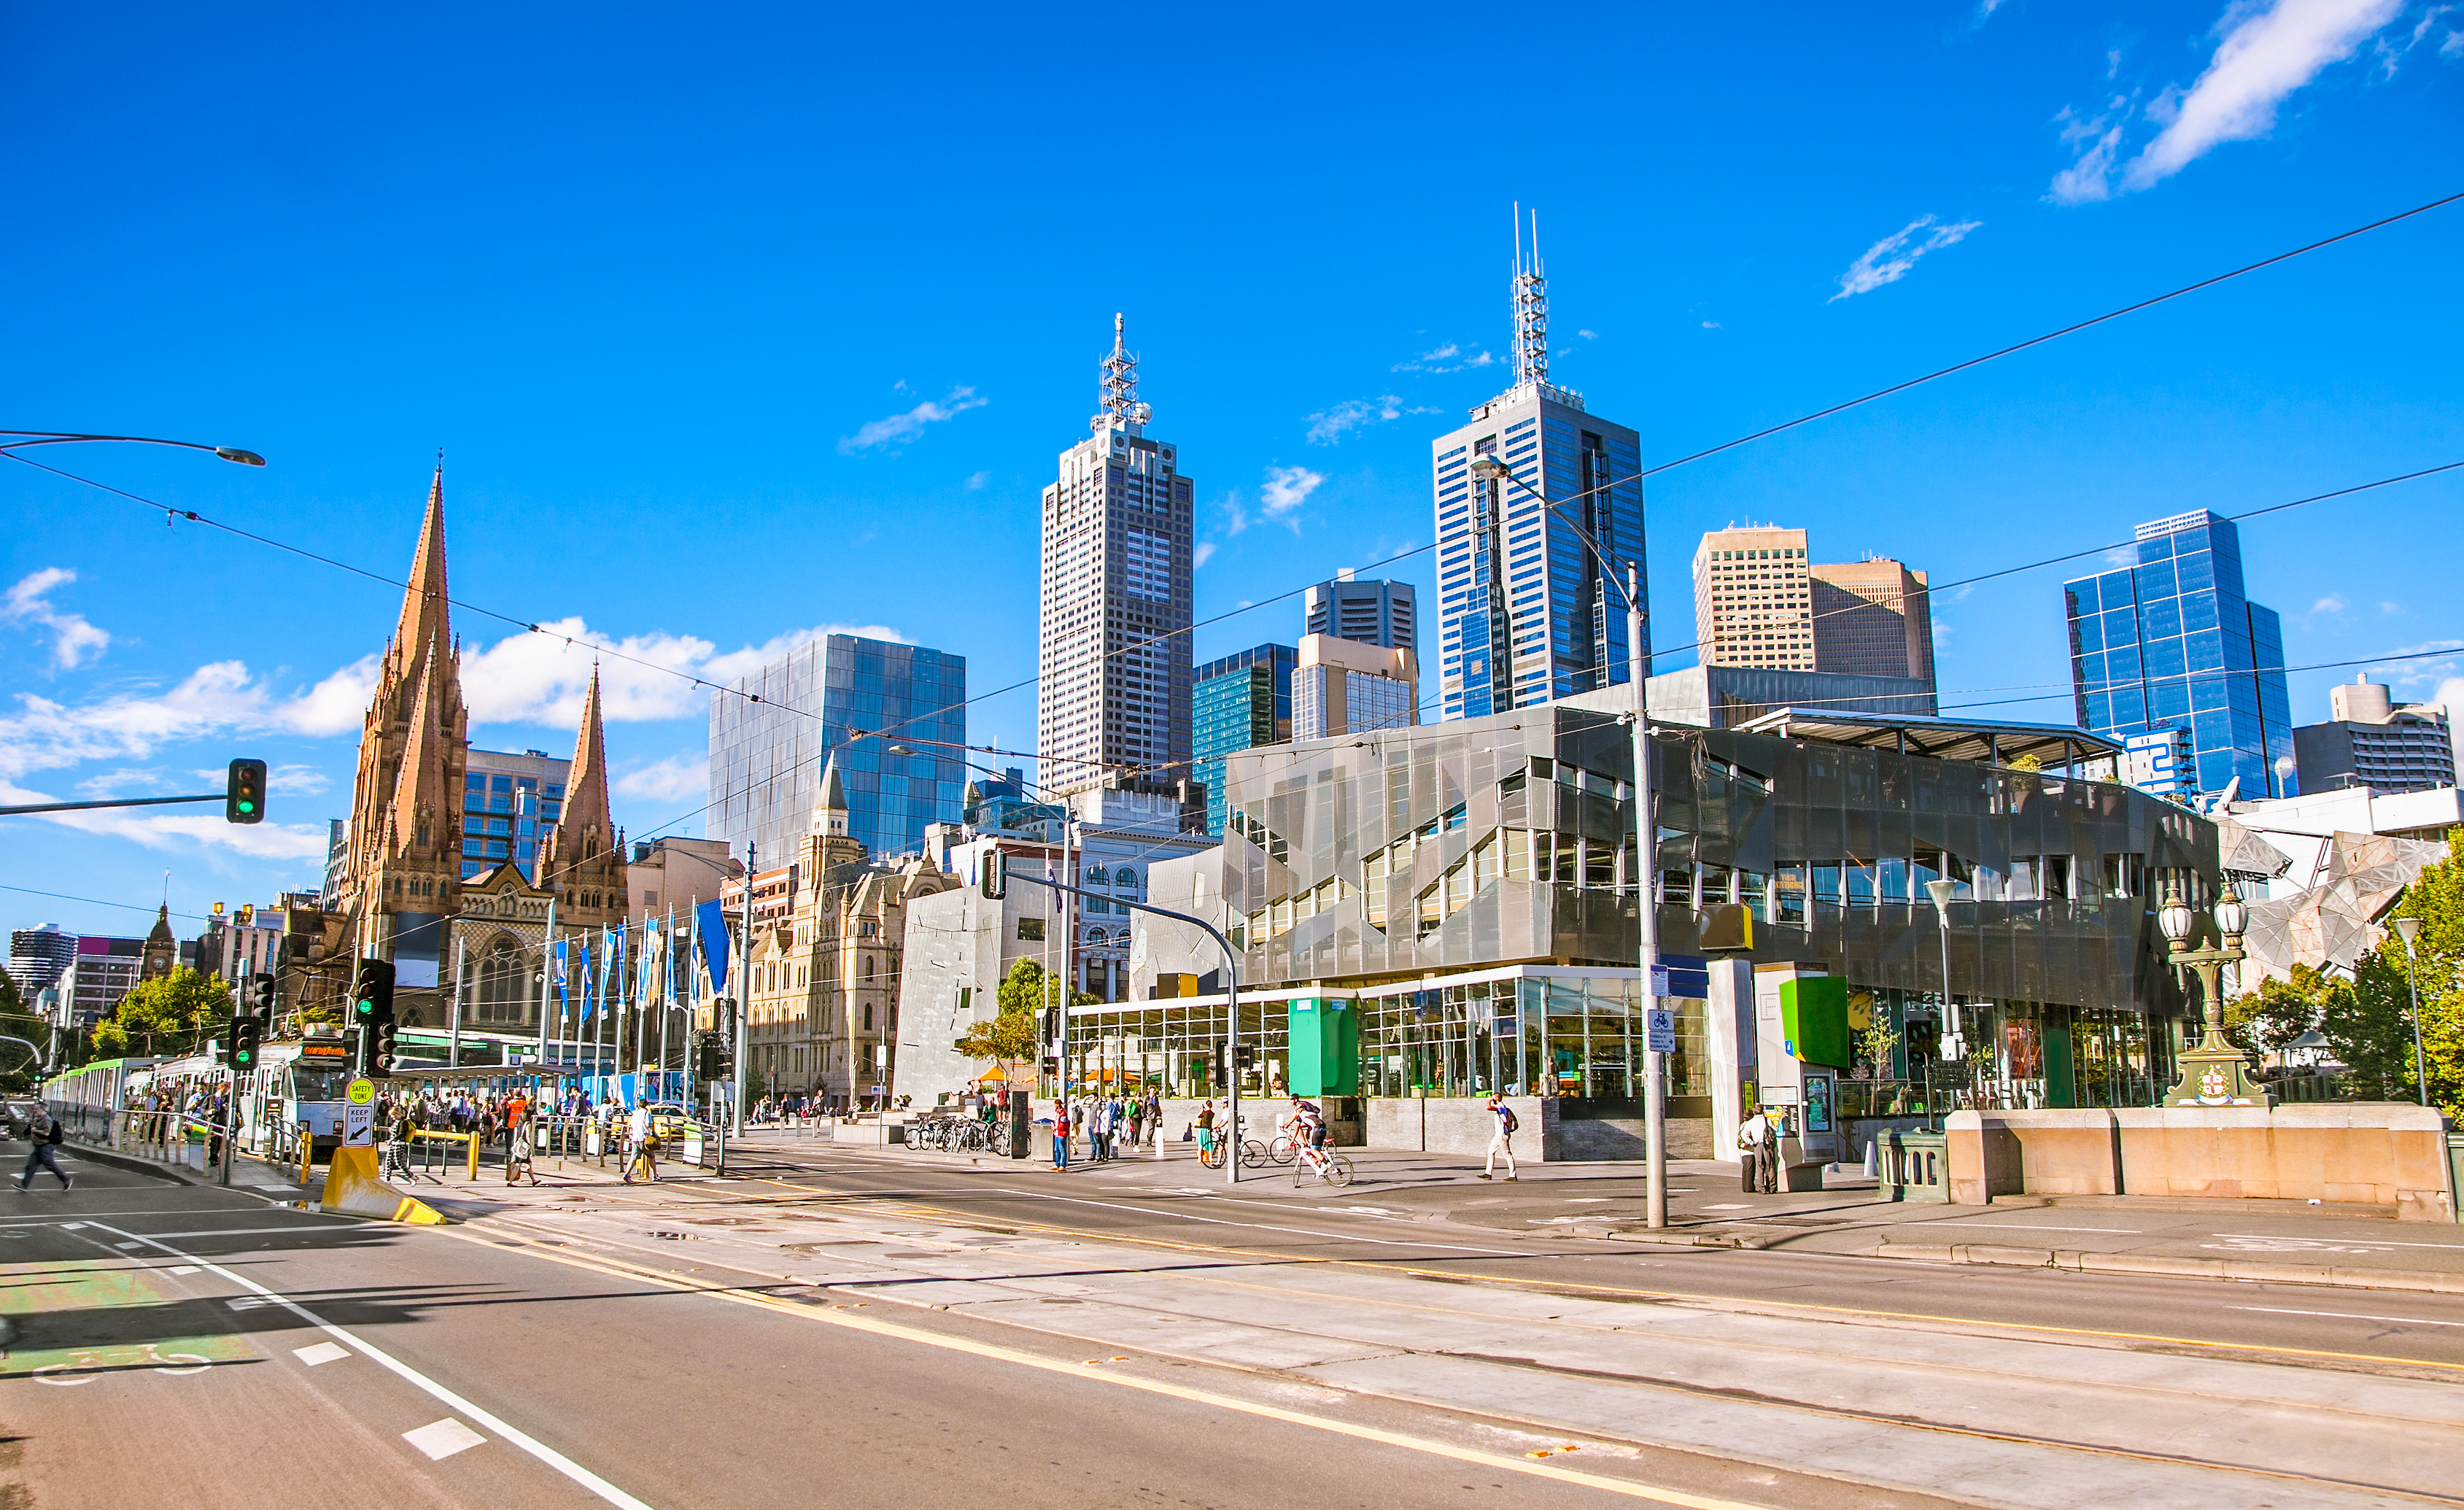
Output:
(1646, 841)
(2216, 1073)
(2408, 929)
(1941, 891)
(229, 454)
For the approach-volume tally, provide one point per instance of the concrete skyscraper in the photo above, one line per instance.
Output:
(1523, 614)
(1112, 695)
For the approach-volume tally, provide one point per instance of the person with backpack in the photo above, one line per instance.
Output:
(1502, 1140)
(47, 1135)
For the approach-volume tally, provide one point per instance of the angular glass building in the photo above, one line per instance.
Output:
(2172, 644)
(1240, 702)
(766, 757)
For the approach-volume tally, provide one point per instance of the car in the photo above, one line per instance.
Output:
(668, 1120)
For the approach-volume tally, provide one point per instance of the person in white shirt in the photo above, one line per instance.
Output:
(637, 1140)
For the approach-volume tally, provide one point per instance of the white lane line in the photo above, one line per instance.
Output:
(442, 1440)
(2350, 1316)
(522, 1439)
(241, 1303)
(252, 1232)
(2375, 1242)
(2015, 1226)
(320, 1352)
(182, 1268)
(1303, 1232)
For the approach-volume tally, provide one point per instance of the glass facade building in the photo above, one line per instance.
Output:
(509, 802)
(766, 757)
(2172, 643)
(1240, 702)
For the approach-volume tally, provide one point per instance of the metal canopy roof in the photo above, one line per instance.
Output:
(2055, 745)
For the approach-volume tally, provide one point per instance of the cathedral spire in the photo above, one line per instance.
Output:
(425, 615)
(419, 805)
(582, 829)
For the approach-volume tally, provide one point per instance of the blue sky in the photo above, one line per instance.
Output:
(777, 321)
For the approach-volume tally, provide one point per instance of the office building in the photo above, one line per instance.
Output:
(766, 757)
(1753, 600)
(2369, 741)
(1523, 615)
(2170, 647)
(1377, 613)
(39, 956)
(1872, 618)
(509, 801)
(1344, 687)
(1239, 701)
(1114, 652)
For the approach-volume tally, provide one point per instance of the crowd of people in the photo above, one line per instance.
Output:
(1106, 1125)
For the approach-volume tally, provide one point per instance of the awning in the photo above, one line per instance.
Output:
(2053, 745)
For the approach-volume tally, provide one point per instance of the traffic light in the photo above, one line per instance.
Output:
(265, 994)
(372, 992)
(244, 796)
(381, 1057)
(996, 875)
(717, 1062)
(245, 1032)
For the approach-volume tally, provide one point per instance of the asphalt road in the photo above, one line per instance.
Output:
(176, 1345)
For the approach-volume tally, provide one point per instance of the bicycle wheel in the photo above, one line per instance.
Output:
(1211, 1157)
(1253, 1154)
(1338, 1169)
(1282, 1150)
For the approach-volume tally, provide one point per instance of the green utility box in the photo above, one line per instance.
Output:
(1813, 1019)
(1325, 1048)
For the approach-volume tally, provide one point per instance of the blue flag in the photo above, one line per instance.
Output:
(710, 921)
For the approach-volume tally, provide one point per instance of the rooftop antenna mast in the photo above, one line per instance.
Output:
(1120, 386)
(1531, 307)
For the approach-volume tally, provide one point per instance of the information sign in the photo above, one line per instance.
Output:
(1661, 1030)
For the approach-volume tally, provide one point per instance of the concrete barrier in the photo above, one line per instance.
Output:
(352, 1186)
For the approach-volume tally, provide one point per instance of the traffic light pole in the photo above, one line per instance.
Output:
(1232, 1006)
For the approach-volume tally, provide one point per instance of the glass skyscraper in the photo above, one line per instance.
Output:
(2171, 644)
(766, 757)
(1241, 702)
(1524, 615)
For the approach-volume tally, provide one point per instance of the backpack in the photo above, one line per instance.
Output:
(1507, 1119)
(57, 1133)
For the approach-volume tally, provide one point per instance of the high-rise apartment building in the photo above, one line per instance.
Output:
(766, 757)
(1377, 613)
(1343, 686)
(39, 956)
(1113, 672)
(1872, 618)
(1753, 600)
(509, 802)
(1524, 614)
(1240, 702)
(2171, 644)
(2369, 741)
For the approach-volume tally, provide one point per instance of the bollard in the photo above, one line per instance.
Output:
(473, 1139)
(307, 1153)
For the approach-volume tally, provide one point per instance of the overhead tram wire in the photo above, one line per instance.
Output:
(1880, 393)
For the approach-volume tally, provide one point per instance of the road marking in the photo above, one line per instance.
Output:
(1727, 1208)
(182, 1268)
(442, 1440)
(1303, 1232)
(1099, 1375)
(128, 1245)
(238, 1302)
(2350, 1316)
(525, 1440)
(256, 1232)
(2015, 1226)
(320, 1352)
(2375, 1242)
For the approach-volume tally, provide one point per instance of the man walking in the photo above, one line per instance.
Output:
(1502, 1140)
(46, 1133)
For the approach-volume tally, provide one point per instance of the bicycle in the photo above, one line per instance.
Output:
(1331, 1168)
(1282, 1150)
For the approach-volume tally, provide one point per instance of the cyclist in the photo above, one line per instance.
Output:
(1308, 1132)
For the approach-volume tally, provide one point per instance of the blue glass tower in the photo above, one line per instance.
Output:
(2172, 643)
(1523, 615)
(1241, 702)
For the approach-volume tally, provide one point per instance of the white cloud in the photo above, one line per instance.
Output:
(1589, 335)
(540, 678)
(2331, 604)
(976, 482)
(1451, 357)
(2453, 46)
(1710, 324)
(130, 781)
(1286, 489)
(2390, 607)
(161, 830)
(2264, 51)
(337, 704)
(896, 428)
(74, 641)
(668, 780)
(1327, 427)
(1889, 259)
(1200, 555)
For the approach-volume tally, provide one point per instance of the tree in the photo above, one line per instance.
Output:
(168, 1015)
(2268, 1019)
(2372, 1025)
(1014, 1036)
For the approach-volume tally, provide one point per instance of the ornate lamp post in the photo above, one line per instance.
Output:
(2216, 1073)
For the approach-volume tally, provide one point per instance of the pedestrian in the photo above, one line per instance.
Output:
(1137, 1119)
(1154, 1122)
(1757, 1146)
(1502, 1140)
(637, 1140)
(1061, 1132)
(519, 1127)
(397, 1148)
(1205, 1131)
(47, 1135)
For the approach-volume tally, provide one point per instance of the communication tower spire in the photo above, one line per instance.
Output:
(1530, 306)
(1120, 386)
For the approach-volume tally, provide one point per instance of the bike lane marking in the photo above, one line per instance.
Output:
(452, 1400)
